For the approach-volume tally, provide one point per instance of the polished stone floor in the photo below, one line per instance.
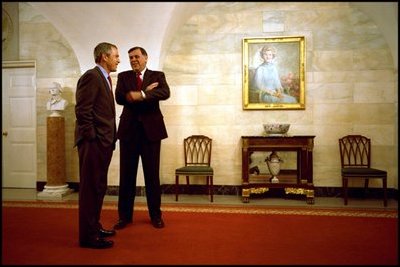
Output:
(11, 194)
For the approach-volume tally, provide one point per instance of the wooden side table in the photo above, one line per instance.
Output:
(299, 181)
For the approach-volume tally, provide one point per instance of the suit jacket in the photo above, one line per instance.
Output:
(95, 109)
(148, 111)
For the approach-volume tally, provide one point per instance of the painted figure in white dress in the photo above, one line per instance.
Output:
(267, 80)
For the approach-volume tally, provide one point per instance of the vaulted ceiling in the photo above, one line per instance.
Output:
(153, 24)
(84, 24)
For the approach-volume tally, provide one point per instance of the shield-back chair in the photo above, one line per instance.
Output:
(355, 157)
(197, 154)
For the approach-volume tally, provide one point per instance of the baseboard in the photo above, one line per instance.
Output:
(235, 190)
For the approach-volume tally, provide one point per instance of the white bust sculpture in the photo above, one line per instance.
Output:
(56, 102)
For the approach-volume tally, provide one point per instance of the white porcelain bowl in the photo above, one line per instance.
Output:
(276, 128)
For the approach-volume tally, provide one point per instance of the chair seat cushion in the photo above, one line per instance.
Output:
(195, 170)
(364, 172)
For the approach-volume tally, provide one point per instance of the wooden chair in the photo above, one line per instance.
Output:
(355, 157)
(197, 153)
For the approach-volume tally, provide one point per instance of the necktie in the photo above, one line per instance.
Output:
(111, 92)
(109, 80)
(139, 80)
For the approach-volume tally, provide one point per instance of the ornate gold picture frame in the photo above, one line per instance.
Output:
(274, 73)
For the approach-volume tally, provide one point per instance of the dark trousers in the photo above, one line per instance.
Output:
(149, 152)
(94, 160)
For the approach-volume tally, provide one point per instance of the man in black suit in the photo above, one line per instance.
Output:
(95, 137)
(140, 131)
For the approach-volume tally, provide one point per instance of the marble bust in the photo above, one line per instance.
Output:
(56, 102)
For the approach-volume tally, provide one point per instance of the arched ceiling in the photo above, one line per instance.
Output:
(153, 24)
(85, 24)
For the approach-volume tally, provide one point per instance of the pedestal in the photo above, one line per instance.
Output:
(56, 186)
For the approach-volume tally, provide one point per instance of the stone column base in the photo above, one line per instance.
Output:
(55, 192)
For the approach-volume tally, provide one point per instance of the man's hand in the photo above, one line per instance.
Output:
(151, 86)
(134, 96)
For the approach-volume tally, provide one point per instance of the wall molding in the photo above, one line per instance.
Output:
(235, 190)
(19, 64)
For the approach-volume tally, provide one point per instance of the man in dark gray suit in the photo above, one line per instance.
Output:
(95, 137)
(140, 131)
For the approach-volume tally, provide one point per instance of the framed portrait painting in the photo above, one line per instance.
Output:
(274, 73)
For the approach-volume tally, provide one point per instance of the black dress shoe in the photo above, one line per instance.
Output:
(106, 233)
(157, 223)
(121, 224)
(98, 243)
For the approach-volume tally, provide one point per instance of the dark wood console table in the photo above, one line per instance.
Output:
(299, 181)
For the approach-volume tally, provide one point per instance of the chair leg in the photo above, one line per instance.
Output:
(187, 185)
(211, 189)
(345, 184)
(384, 182)
(176, 187)
(366, 182)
